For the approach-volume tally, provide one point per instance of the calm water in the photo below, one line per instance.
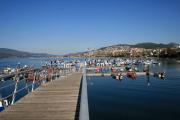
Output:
(13, 62)
(141, 99)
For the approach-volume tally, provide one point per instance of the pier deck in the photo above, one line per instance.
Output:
(56, 100)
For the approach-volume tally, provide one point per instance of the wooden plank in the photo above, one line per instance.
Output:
(56, 100)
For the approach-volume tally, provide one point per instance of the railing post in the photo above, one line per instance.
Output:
(84, 109)
(59, 73)
(52, 75)
(15, 90)
(44, 77)
(27, 86)
(33, 82)
(56, 75)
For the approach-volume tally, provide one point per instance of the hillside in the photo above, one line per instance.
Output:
(147, 45)
(122, 50)
(6, 53)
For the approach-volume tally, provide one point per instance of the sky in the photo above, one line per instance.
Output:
(68, 26)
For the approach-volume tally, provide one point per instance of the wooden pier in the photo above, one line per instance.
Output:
(56, 100)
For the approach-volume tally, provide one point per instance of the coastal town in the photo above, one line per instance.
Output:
(170, 50)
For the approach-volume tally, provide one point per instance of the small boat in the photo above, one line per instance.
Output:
(147, 62)
(131, 74)
(119, 77)
(161, 75)
(155, 62)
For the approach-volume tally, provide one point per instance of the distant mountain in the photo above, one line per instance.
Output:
(150, 45)
(6, 53)
(77, 54)
(146, 45)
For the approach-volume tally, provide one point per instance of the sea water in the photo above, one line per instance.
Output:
(145, 98)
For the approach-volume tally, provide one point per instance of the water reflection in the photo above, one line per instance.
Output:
(147, 95)
(148, 80)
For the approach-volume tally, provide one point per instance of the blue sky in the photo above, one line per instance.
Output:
(66, 26)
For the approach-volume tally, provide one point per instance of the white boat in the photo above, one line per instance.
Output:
(147, 62)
